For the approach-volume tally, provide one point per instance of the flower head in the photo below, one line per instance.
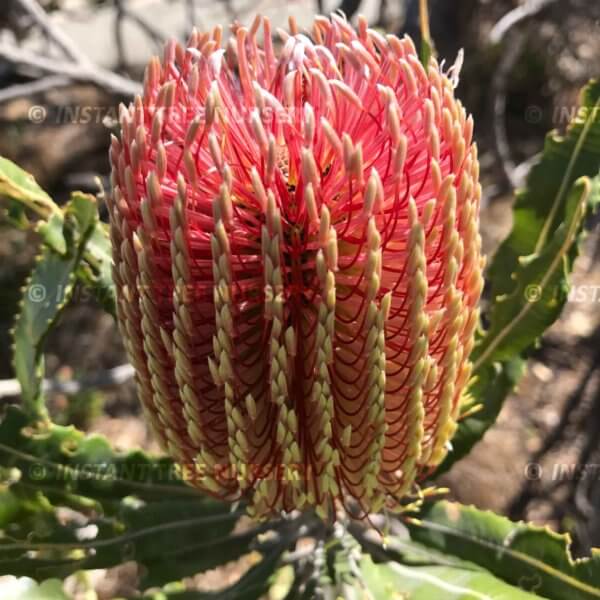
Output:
(297, 262)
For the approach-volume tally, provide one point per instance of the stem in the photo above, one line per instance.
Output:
(424, 22)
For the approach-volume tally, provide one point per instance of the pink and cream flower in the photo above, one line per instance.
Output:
(297, 262)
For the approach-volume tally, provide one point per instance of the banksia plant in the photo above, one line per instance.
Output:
(297, 262)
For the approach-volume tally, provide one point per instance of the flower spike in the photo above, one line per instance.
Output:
(297, 262)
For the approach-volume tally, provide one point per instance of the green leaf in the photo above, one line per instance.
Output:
(52, 233)
(198, 533)
(534, 559)
(529, 274)
(19, 185)
(21, 190)
(257, 580)
(412, 570)
(252, 585)
(141, 509)
(15, 215)
(426, 52)
(540, 288)
(281, 583)
(391, 581)
(63, 459)
(95, 271)
(45, 294)
(490, 388)
(42, 301)
(25, 588)
(402, 568)
(197, 548)
(540, 207)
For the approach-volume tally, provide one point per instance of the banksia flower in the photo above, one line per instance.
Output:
(297, 262)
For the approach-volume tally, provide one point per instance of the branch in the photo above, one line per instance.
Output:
(193, 16)
(39, 15)
(122, 12)
(76, 72)
(500, 80)
(515, 16)
(192, 12)
(514, 174)
(106, 379)
(146, 26)
(76, 66)
(31, 88)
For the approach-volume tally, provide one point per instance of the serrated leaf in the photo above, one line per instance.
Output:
(142, 510)
(281, 583)
(402, 568)
(52, 234)
(533, 558)
(21, 190)
(252, 585)
(489, 389)
(256, 581)
(19, 185)
(201, 548)
(529, 274)
(394, 581)
(96, 269)
(55, 457)
(540, 207)
(45, 294)
(197, 532)
(40, 306)
(540, 288)
(14, 215)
